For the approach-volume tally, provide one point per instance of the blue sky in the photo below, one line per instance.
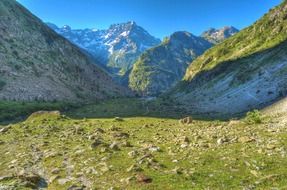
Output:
(158, 17)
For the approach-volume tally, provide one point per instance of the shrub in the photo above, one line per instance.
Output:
(2, 84)
(18, 67)
(254, 117)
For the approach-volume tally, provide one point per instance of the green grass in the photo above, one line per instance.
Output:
(48, 140)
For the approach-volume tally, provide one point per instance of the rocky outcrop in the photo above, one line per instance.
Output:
(216, 36)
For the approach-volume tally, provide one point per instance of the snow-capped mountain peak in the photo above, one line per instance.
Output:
(67, 28)
(117, 47)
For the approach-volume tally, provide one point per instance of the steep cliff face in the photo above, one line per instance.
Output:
(161, 67)
(245, 72)
(38, 64)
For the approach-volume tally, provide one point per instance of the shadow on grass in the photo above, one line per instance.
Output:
(14, 112)
(136, 107)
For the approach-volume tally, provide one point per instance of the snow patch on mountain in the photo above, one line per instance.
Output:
(117, 47)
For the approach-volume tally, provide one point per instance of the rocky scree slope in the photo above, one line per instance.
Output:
(216, 36)
(116, 48)
(38, 64)
(245, 72)
(161, 67)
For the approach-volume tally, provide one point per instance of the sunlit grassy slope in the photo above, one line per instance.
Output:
(267, 32)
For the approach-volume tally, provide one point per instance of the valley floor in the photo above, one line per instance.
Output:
(53, 151)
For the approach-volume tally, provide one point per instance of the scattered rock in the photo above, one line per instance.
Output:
(176, 170)
(118, 119)
(75, 187)
(233, 122)
(114, 146)
(91, 170)
(40, 113)
(93, 137)
(126, 144)
(31, 179)
(141, 178)
(185, 139)
(96, 143)
(204, 145)
(186, 121)
(3, 178)
(114, 128)
(197, 137)
(146, 156)
(246, 139)
(78, 130)
(55, 171)
(14, 161)
(5, 129)
(63, 181)
(154, 149)
(268, 178)
(270, 146)
(222, 140)
(105, 168)
(128, 180)
(121, 135)
(184, 145)
(79, 174)
(145, 126)
(104, 149)
(255, 173)
(134, 168)
(79, 152)
(133, 154)
(99, 130)
(53, 178)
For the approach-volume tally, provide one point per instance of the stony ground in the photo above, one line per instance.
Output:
(53, 151)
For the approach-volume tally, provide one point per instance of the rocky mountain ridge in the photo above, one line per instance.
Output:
(245, 72)
(216, 36)
(38, 64)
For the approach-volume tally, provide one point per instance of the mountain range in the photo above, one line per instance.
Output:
(159, 66)
(116, 48)
(242, 71)
(201, 112)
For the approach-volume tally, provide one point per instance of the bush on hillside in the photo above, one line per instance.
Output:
(2, 84)
(254, 117)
